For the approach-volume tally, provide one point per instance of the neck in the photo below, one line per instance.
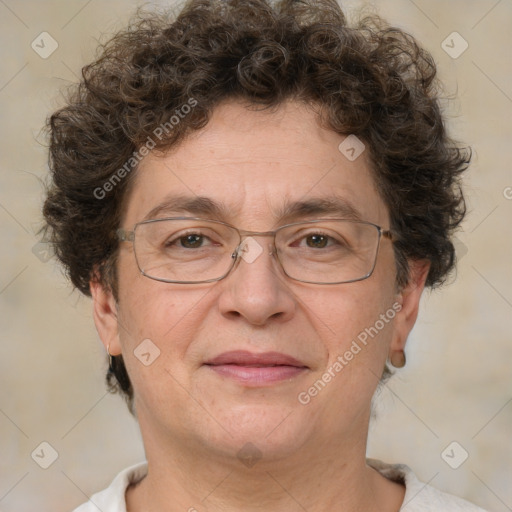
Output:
(183, 477)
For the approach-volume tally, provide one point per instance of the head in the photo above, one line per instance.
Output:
(246, 106)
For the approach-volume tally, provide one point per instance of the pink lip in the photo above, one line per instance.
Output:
(256, 369)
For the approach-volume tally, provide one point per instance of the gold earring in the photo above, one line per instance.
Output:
(110, 360)
(398, 359)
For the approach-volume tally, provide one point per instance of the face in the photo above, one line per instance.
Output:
(208, 382)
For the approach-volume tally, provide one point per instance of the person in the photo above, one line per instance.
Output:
(255, 194)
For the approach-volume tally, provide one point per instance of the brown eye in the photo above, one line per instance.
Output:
(317, 241)
(191, 241)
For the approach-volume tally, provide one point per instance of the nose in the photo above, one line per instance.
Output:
(256, 289)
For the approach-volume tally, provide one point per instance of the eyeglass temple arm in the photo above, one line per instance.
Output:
(387, 234)
(125, 236)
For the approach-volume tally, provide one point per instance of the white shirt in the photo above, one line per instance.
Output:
(419, 497)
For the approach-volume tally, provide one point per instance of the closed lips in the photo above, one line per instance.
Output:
(250, 359)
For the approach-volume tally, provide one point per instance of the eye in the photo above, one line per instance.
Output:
(317, 241)
(192, 241)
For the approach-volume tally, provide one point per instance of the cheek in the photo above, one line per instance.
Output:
(356, 320)
(147, 308)
(155, 318)
(165, 315)
(357, 348)
(344, 313)
(158, 325)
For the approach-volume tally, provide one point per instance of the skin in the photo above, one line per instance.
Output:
(193, 421)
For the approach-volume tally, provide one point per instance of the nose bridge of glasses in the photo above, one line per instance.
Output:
(249, 248)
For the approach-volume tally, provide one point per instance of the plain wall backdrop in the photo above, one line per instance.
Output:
(457, 385)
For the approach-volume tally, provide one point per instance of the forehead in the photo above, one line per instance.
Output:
(253, 168)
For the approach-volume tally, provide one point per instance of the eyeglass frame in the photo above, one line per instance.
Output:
(124, 235)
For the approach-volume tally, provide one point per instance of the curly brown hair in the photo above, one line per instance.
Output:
(370, 80)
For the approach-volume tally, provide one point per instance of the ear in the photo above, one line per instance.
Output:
(105, 317)
(409, 299)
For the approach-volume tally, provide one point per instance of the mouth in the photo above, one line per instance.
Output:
(256, 369)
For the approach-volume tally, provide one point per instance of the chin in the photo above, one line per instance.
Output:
(267, 431)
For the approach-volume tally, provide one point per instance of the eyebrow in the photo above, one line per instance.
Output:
(200, 206)
(332, 205)
(209, 208)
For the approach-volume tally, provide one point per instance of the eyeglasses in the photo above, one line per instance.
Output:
(190, 250)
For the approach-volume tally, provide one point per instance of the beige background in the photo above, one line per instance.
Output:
(457, 385)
